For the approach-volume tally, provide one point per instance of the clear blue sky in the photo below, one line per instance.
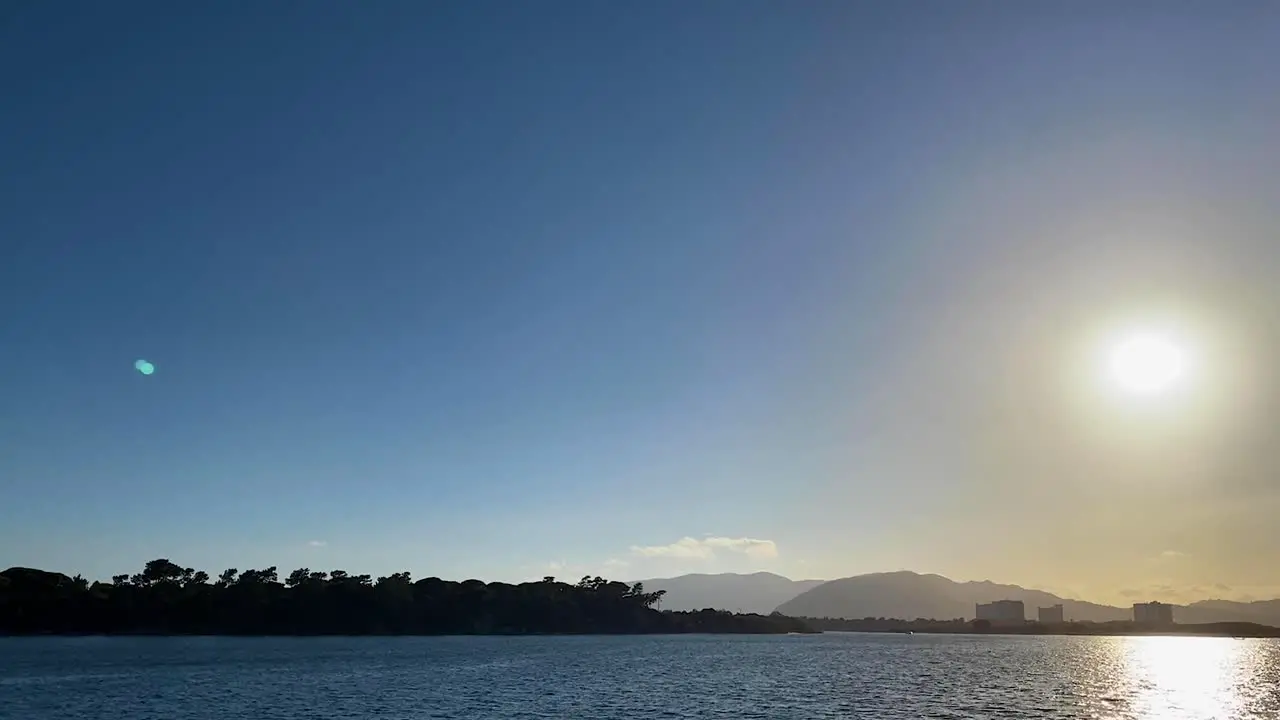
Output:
(473, 288)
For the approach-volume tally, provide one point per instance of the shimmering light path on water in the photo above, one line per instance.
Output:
(880, 677)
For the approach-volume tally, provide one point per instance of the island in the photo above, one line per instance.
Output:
(168, 599)
(985, 627)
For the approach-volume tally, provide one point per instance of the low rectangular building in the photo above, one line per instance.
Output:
(1050, 615)
(1153, 613)
(1002, 611)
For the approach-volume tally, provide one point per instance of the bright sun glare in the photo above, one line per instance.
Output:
(1147, 364)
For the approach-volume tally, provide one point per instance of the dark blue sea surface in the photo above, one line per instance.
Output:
(836, 675)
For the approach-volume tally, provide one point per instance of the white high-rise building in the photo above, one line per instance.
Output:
(1153, 613)
(1050, 615)
(1002, 611)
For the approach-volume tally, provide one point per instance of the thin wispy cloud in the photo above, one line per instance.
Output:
(572, 570)
(706, 548)
(317, 543)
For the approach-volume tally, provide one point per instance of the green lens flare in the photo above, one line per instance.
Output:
(144, 367)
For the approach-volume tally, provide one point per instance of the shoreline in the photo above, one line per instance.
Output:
(4, 636)
(1119, 629)
(1186, 631)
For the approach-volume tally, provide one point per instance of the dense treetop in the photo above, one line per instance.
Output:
(166, 598)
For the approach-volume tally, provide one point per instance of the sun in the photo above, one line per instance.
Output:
(1147, 363)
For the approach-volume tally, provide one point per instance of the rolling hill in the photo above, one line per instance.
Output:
(757, 592)
(909, 595)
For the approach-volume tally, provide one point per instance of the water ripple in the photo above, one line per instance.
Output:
(878, 677)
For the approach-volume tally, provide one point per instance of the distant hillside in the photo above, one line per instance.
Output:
(910, 595)
(1263, 612)
(758, 592)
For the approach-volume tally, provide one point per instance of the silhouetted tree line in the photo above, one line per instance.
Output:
(166, 598)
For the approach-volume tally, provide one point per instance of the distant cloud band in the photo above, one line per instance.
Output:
(688, 547)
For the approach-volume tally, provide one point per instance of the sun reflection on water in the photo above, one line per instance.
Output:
(1191, 678)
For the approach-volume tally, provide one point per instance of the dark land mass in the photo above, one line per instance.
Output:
(961, 626)
(912, 595)
(167, 599)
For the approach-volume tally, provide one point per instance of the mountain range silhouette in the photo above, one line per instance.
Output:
(909, 595)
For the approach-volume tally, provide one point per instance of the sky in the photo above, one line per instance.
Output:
(504, 290)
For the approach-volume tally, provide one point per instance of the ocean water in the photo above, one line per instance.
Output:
(835, 675)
